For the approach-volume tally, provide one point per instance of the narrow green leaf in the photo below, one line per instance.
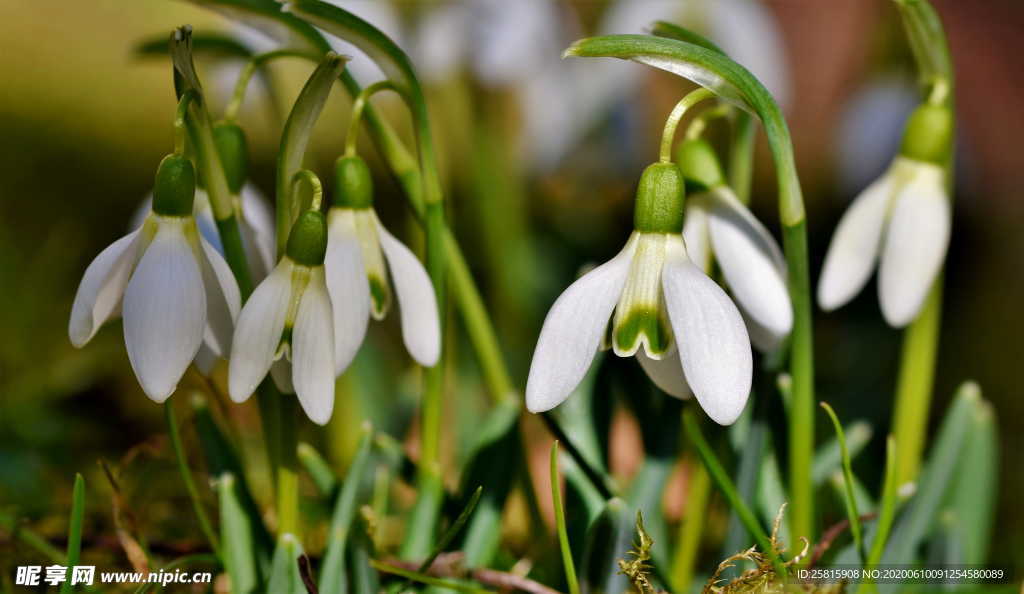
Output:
(319, 470)
(609, 538)
(771, 493)
(236, 528)
(828, 459)
(332, 570)
(449, 534)
(728, 489)
(973, 499)
(852, 514)
(285, 577)
(673, 31)
(927, 40)
(865, 503)
(492, 464)
(74, 530)
(887, 510)
(563, 533)
(936, 478)
(216, 45)
(266, 16)
(186, 477)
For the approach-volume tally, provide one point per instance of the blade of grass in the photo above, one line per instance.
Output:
(563, 533)
(829, 459)
(319, 470)
(285, 577)
(332, 571)
(74, 531)
(186, 477)
(725, 485)
(239, 555)
(851, 502)
(887, 511)
(451, 533)
(428, 580)
(974, 493)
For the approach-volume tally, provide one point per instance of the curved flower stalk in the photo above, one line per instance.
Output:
(171, 286)
(718, 227)
(358, 246)
(682, 327)
(902, 220)
(289, 319)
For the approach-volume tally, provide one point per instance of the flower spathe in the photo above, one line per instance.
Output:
(686, 333)
(903, 222)
(174, 291)
(360, 253)
(289, 318)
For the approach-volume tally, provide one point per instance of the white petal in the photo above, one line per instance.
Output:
(223, 300)
(258, 332)
(714, 348)
(313, 351)
(666, 373)
(258, 232)
(164, 311)
(751, 263)
(915, 246)
(573, 330)
(855, 245)
(348, 288)
(102, 287)
(696, 232)
(421, 327)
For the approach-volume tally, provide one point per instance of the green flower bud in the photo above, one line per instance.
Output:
(307, 243)
(175, 187)
(233, 150)
(659, 200)
(928, 135)
(353, 184)
(699, 165)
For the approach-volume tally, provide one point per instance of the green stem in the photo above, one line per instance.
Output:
(358, 106)
(669, 132)
(186, 477)
(288, 468)
(914, 385)
(725, 485)
(741, 155)
(887, 510)
(691, 527)
(563, 532)
(851, 501)
(254, 63)
(180, 129)
(74, 531)
(311, 181)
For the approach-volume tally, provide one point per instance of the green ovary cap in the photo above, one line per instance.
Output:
(659, 200)
(307, 243)
(699, 164)
(928, 135)
(175, 187)
(353, 184)
(233, 150)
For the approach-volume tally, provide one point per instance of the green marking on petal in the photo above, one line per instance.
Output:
(642, 326)
(380, 295)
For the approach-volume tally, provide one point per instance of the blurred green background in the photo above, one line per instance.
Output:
(85, 121)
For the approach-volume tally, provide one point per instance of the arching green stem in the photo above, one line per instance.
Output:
(250, 68)
(180, 129)
(669, 132)
(358, 106)
(308, 179)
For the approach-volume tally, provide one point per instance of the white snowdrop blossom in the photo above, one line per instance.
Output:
(360, 253)
(686, 333)
(902, 221)
(719, 228)
(289, 318)
(169, 283)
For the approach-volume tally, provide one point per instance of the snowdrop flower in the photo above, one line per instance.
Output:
(289, 315)
(171, 286)
(682, 327)
(357, 248)
(719, 227)
(903, 220)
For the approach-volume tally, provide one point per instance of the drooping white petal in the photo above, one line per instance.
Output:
(257, 231)
(855, 245)
(99, 294)
(421, 327)
(915, 246)
(313, 351)
(696, 232)
(258, 332)
(348, 288)
(666, 373)
(573, 330)
(223, 299)
(164, 310)
(751, 262)
(714, 348)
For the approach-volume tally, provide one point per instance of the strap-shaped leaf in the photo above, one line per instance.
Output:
(927, 40)
(727, 79)
(267, 17)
